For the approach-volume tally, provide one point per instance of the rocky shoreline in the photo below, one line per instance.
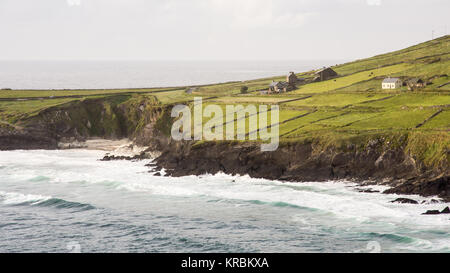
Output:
(298, 162)
(294, 162)
(375, 161)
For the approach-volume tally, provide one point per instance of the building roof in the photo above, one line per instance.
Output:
(279, 84)
(391, 80)
(415, 81)
(320, 70)
(323, 69)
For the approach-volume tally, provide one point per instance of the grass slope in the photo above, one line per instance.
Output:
(351, 106)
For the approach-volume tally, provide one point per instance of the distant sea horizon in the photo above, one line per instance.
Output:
(142, 74)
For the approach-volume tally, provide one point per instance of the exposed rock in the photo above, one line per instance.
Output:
(367, 190)
(425, 186)
(375, 160)
(140, 156)
(431, 212)
(405, 201)
(432, 201)
(300, 162)
(27, 139)
(434, 212)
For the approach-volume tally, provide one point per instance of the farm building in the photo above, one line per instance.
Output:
(291, 79)
(288, 85)
(278, 87)
(415, 83)
(325, 74)
(391, 83)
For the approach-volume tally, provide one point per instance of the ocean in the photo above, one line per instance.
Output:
(69, 201)
(141, 74)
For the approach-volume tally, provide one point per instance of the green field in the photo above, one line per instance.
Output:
(441, 121)
(352, 103)
(48, 94)
(336, 100)
(12, 112)
(413, 100)
(349, 80)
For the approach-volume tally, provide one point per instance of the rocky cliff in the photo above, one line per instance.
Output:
(373, 163)
(408, 162)
(113, 117)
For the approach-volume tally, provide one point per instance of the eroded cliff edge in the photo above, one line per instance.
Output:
(410, 162)
(112, 117)
(374, 163)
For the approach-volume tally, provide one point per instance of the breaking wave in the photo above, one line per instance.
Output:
(128, 209)
(19, 199)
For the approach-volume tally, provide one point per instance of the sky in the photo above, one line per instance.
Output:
(215, 29)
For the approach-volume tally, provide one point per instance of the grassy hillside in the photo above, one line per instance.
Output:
(350, 105)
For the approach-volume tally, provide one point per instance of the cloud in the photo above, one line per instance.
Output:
(250, 14)
(374, 2)
(213, 29)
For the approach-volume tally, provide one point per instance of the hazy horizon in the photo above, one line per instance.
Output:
(215, 30)
(140, 74)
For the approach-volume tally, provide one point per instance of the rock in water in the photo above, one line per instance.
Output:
(446, 210)
(431, 212)
(432, 201)
(367, 190)
(405, 201)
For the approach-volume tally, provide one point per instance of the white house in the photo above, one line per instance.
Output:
(391, 83)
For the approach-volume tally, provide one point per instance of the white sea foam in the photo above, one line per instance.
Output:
(15, 198)
(339, 198)
(307, 205)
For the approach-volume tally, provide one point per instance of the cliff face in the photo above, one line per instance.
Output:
(401, 162)
(303, 162)
(110, 118)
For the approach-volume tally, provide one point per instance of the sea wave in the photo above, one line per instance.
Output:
(19, 199)
(392, 237)
(280, 204)
(15, 198)
(223, 210)
(63, 204)
(412, 243)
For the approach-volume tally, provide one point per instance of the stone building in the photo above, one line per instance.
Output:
(291, 79)
(288, 85)
(278, 87)
(415, 83)
(325, 74)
